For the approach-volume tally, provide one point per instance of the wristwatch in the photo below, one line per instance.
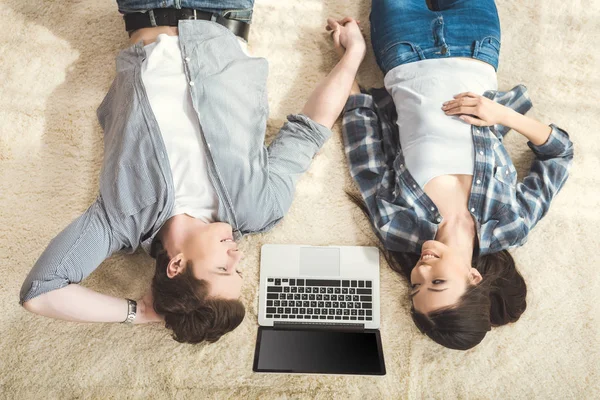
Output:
(131, 310)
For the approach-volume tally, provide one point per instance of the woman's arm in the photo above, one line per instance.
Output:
(481, 111)
(551, 145)
(325, 103)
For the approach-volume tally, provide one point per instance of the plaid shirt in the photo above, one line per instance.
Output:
(404, 217)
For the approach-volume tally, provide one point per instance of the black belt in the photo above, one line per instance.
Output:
(171, 17)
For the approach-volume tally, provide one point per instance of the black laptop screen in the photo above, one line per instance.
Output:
(319, 351)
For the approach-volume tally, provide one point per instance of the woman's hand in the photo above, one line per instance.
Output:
(476, 110)
(347, 37)
(145, 312)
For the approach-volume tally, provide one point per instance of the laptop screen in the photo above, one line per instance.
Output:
(319, 351)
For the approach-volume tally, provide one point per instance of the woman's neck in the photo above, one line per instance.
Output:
(458, 231)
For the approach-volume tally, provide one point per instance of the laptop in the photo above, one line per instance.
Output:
(319, 310)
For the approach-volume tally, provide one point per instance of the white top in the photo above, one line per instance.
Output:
(167, 89)
(433, 143)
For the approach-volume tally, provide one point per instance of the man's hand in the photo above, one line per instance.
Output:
(347, 37)
(476, 110)
(145, 311)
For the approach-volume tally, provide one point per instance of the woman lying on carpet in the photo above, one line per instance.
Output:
(438, 185)
(186, 172)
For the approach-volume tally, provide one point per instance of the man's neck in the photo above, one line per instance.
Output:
(176, 230)
(458, 231)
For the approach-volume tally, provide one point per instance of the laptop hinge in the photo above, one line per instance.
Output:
(317, 325)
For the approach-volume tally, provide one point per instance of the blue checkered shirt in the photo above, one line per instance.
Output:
(404, 217)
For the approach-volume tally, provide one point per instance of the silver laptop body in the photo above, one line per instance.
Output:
(310, 285)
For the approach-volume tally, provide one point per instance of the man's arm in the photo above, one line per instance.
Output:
(327, 100)
(79, 304)
(51, 287)
(291, 153)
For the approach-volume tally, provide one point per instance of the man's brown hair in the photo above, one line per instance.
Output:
(189, 311)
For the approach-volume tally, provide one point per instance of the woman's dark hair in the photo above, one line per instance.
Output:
(189, 311)
(497, 300)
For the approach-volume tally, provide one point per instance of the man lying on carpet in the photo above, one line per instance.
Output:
(185, 171)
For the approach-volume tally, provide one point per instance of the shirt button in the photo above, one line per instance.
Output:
(414, 186)
(478, 181)
(187, 59)
(438, 219)
(191, 83)
(401, 165)
(481, 152)
(506, 172)
(432, 208)
(472, 210)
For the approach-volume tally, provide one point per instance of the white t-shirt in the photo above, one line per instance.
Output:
(167, 89)
(433, 143)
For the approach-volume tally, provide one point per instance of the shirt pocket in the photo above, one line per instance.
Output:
(131, 190)
(506, 174)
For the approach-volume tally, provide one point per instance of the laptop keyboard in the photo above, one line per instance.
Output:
(319, 299)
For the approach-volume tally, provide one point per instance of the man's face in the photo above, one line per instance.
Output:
(215, 258)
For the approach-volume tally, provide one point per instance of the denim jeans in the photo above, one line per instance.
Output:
(233, 9)
(404, 31)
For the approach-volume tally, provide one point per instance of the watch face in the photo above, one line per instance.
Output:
(131, 311)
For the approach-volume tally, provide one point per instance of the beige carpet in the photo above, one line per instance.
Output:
(57, 62)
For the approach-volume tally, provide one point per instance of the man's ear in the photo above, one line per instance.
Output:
(176, 266)
(474, 276)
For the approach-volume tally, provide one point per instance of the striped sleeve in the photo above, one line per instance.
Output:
(72, 255)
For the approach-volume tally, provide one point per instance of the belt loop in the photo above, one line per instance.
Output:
(195, 14)
(476, 47)
(213, 17)
(152, 19)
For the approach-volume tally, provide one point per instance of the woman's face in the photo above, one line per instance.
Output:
(440, 277)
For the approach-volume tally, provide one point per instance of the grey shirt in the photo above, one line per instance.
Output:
(254, 184)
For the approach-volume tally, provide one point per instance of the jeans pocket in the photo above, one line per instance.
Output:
(399, 48)
(243, 15)
(397, 53)
(491, 41)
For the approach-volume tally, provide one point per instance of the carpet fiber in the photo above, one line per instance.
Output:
(56, 64)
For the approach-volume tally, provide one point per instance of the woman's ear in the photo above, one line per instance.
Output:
(474, 276)
(176, 266)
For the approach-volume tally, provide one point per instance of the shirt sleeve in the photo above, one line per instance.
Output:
(72, 255)
(370, 164)
(547, 175)
(516, 99)
(290, 155)
(363, 143)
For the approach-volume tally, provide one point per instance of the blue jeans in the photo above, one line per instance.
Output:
(234, 9)
(404, 31)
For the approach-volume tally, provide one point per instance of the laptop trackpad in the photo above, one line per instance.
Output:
(319, 261)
